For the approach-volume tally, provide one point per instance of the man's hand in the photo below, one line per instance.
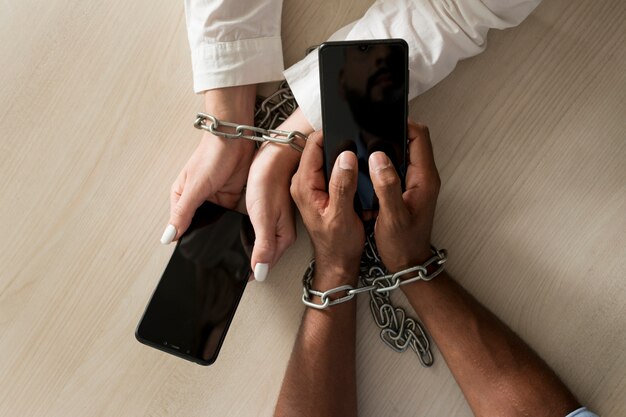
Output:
(497, 372)
(405, 220)
(335, 229)
(321, 376)
(218, 168)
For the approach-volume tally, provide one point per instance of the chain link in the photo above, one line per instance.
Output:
(397, 331)
(373, 279)
(274, 109)
(269, 112)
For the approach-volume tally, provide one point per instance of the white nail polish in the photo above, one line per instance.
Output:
(260, 271)
(168, 234)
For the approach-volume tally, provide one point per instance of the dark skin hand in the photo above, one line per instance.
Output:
(497, 372)
(321, 376)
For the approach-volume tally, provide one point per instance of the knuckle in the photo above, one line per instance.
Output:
(264, 244)
(316, 137)
(431, 185)
(423, 129)
(339, 187)
(388, 179)
(179, 210)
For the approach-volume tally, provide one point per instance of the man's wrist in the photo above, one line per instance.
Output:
(330, 275)
(404, 262)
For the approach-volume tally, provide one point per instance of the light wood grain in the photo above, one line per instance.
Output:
(95, 111)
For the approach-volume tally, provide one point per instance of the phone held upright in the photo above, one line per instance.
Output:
(364, 94)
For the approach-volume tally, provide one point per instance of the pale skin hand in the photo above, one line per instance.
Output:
(268, 200)
(321, 375)
(218, 169)
(497, 372)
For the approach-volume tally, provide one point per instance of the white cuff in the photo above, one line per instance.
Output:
(304, 80)
(241, 62)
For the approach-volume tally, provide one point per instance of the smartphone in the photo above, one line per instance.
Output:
(196, 299)
(364, 94)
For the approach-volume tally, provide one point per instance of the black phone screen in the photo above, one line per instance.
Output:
(196, 298)
(364, 105)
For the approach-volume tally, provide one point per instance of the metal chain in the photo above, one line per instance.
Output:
(375, 279)
(274, 109)
(398, 331)
(269, 112)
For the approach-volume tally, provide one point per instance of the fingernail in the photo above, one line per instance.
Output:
(260, 271)
(346, 161)
(378, 161)
(168, 234)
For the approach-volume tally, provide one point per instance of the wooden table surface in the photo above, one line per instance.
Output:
(96, 106)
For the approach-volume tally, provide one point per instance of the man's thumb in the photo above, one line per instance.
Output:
(343, 181)
(386, 182)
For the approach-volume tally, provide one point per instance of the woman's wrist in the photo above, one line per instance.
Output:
(235, 105)
(285, 155)
(232, 104)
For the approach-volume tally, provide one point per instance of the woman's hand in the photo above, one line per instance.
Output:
(270, 206)
(268, 200)
(405, 220)
(336, 231)
(218, 168)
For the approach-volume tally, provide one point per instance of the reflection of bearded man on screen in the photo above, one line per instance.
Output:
(372, 82)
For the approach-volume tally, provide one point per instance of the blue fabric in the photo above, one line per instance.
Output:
(581, 412)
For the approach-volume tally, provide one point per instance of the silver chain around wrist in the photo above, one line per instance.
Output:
(269, 112)
(257, 134)
(380, 283)
(398, 331)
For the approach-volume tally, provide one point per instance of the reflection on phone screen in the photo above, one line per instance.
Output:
(364, 91)
(194, 302)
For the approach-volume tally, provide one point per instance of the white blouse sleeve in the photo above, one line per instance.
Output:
(234, 42)
(439, 33)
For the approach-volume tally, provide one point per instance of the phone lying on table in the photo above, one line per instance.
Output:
(364, 93)
(197, 296)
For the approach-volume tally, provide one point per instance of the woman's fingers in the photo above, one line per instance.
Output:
(184, 200)
(264, 244)
(275, 231)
